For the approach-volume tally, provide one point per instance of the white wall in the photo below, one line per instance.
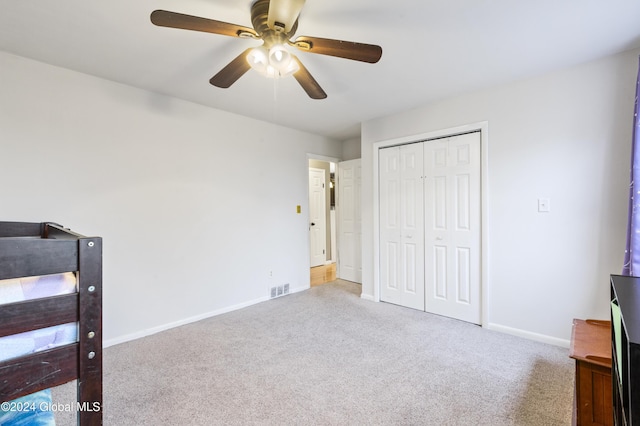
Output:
(351, 149)
(195, 205)
(564, 136)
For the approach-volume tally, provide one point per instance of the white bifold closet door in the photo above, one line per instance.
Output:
(452, 227)
(437, 196)
(402, 226)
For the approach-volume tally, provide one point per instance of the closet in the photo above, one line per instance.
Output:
(430, 226)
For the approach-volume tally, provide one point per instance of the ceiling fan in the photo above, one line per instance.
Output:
(274, 22)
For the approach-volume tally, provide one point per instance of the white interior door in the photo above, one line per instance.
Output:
(402, 226)
(349, 229)
(452, 227)
(317, 217)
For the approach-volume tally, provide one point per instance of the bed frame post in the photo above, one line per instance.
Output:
(90, 331)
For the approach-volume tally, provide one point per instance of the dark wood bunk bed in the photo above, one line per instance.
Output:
(39, 249)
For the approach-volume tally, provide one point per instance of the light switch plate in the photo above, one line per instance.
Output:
(544, 205)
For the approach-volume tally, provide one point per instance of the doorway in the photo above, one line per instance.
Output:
(322, 225)
(318, 217)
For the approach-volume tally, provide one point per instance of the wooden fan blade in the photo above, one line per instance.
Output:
(342, 49)
(308, 83)
(163, 18)
(232, 72)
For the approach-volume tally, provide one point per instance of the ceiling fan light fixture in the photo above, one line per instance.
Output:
(291, 68)
(273, 63)
(271, 72)
(279, 57)
(258, 57)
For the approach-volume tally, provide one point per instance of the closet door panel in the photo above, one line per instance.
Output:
(389, 196)
(401, 226)
(452, 230)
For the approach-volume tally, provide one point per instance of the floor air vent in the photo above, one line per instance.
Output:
(280, 290)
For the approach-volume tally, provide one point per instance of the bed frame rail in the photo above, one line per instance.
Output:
(38, 313)
(20, 257)
(20, 229)
(54, 367)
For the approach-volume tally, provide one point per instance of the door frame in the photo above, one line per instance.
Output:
(483, 128)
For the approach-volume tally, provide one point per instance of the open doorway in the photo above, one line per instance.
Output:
(322, 221)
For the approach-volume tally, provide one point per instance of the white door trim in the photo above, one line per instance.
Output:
(483, 127)
(321, 158)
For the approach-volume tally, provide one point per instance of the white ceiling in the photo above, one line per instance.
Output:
(432, 49)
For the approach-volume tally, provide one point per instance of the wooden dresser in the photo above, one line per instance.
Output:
(591, 348)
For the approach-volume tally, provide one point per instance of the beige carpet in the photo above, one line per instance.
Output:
(326, 357)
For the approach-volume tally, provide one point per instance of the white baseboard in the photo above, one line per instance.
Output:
(368, 297)
(509, 330)
(149, 331)
(299, 289)
(529, 335)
